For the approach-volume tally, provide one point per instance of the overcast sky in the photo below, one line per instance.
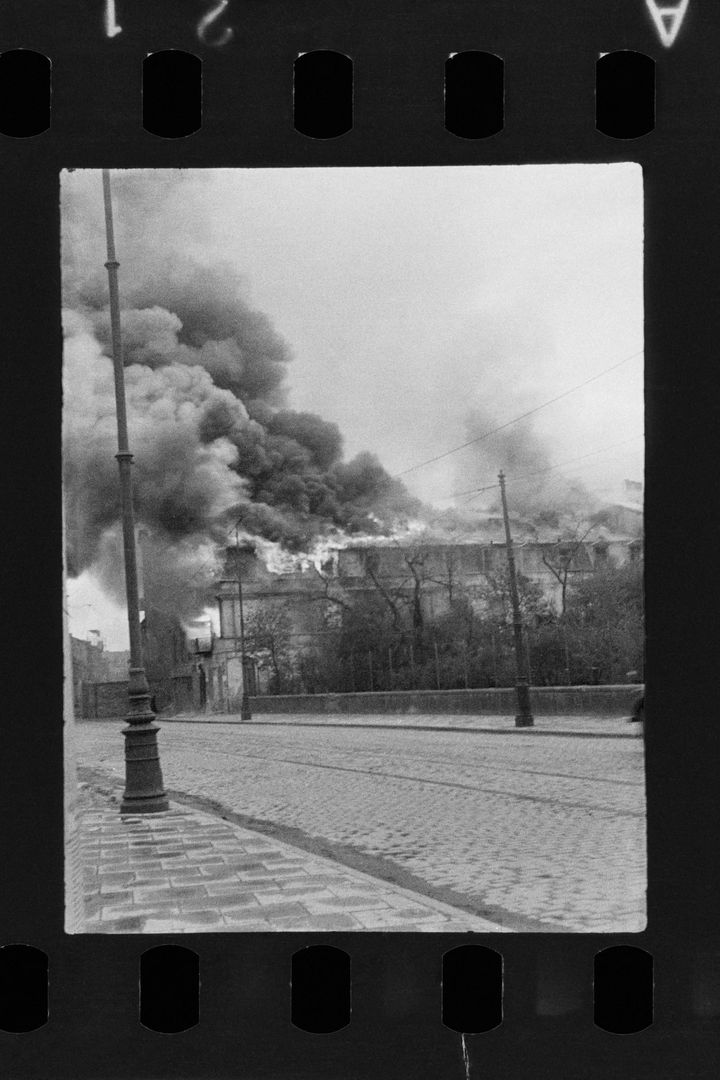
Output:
(411, 296)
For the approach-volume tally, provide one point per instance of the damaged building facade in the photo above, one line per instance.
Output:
(313, 593)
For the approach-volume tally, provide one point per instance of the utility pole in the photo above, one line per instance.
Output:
(245, 710)
(144, 791)
(524, 716)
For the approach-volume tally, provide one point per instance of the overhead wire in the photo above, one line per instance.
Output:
(551, 468)
(516, 419)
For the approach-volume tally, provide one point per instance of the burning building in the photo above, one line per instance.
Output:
(312, 592)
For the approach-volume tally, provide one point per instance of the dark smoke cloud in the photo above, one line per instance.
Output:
(213, 438)
(199, 317)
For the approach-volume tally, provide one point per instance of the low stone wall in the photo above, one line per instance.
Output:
(545, 701)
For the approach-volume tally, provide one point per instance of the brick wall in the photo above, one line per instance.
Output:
(109, 700)
(100, 701)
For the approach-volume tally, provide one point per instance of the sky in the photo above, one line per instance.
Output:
(422, 307)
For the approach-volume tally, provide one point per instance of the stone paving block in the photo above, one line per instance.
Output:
(185, 875)
(242, 862)
(356, 888)
(318, 892)
(111, 894)
(240, 916)
(416, 914)
(248, 926)
(273, 897)
(208, 917)
(109, 878)
(121, 911)
(278, 872)
(388, 919)
(252, 882)
(224, 903)
(189, 891)
(218, 873)
(280, 911)
(124, 925)
(153, 895)
(164, 926)
(230, 888)
(93, 906)
(331, 880)
(309, 923)
(285, 863)
(261, 889)
(346, 903)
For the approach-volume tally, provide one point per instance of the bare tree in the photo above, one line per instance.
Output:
(268, 634)
(563, 559)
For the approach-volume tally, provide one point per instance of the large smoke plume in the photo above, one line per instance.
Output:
(213, 437)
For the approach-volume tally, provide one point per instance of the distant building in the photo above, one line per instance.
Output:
(633, 492)
(176, 680)
(624, 518)
(93, 663)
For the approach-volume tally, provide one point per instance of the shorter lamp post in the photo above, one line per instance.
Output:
(524, 716)
(245, 710)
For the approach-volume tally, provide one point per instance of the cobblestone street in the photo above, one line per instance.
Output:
(533, 833)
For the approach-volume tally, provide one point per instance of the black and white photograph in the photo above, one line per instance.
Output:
(353, 468)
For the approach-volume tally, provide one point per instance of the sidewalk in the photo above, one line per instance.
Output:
(612, 727)
(186, 871)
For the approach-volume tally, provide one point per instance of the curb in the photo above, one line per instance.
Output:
(408, 727)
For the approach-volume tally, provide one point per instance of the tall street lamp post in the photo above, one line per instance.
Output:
(245, 710)
(144, 791)
(524, 716)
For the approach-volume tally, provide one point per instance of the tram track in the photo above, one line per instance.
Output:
(383, 774)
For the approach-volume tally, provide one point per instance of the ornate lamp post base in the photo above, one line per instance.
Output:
(144, 789)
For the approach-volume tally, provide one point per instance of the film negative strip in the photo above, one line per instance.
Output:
(329, 335)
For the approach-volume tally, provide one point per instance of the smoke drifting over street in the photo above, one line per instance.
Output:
(213, 439)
